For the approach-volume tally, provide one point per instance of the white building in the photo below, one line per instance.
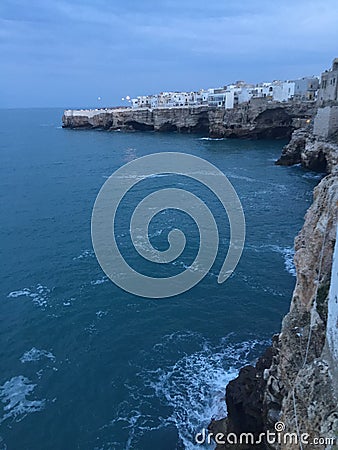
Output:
(245, 93)
(142, 101)
(283, 91)
(202, 96)
(217, 98)
(227, 97)
(263, 90)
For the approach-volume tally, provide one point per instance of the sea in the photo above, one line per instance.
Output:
(86, 365)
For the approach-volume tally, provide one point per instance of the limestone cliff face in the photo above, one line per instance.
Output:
(251, 120)
(143, 119)
(296, 380)
(299, 389)
(260, 119)
(311, 152)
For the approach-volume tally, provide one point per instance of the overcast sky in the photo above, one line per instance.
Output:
(70, 52)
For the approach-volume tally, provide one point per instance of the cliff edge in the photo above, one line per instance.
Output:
(256, 119)
(295, 382)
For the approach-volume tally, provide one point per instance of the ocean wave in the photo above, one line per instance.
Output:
(253, 283)
(211, 139)
(313, 175)
(191, 388)
(85, 254)
(35, 354)
(13, 394)
(68, 302)
(288, 254)
(101, 280)
(244, 178)
(39, 294)
(196, 268)
(194, 387)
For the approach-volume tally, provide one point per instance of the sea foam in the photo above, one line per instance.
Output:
(38, 294)
(35, 354)
(13, 394)
(192, 388)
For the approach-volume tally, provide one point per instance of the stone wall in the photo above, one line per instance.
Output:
(328, 91)
(326, 122)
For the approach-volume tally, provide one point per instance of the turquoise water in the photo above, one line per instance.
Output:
(85, 365)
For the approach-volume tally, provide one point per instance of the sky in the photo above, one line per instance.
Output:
(68, 53)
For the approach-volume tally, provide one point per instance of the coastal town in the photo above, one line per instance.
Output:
(228, 97)
(267, 110)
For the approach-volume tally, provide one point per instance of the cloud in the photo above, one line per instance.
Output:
(143, 46)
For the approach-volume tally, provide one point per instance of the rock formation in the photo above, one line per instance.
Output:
(295, 381)
(310, 151)
(184, 120)
(255, 119)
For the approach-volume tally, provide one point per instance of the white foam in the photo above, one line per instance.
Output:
(159, 175)
(39, 294)
(101, 280)
(288, 254)
(85, 254)
(16, 294)
(195, 386)
(14, 393)
(35, 354)
(191, 389)
(211, 139)
(313, 175)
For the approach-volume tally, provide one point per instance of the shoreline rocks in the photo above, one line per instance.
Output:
(253, 120)
(297, 384)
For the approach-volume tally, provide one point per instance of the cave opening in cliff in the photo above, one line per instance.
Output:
(320, 163)
(138, 126)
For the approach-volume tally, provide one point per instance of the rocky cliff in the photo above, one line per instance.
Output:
(295, 381)
(255, 119)
(184, 120)
(311, 152)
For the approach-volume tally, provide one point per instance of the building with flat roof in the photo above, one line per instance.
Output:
(306, 88)
(328, 91)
